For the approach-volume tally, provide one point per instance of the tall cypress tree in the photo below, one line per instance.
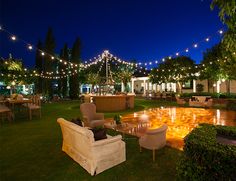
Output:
(39, 68)
(75, 58)
(49, 64)
(62, 83)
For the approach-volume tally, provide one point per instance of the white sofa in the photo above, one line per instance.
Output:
(93, 156)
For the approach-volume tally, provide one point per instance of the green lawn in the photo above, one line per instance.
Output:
(31, 150)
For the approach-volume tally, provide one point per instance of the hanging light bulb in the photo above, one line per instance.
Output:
(195, 45)
(42, 53)
(13, 37)
(30, 47)
(186, 50)
(207, 39)
(221, 32)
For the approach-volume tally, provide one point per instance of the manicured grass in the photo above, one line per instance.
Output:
(31, 150)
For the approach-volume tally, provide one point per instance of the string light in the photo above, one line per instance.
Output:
(30, 47)
(13, 38)
(99, 58)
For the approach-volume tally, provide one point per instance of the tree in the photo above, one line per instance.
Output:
(227, 15)
(177, 70)
(62, 83)
(199, 88)
(217, 66)
(93, 79)
(39, 68)
(49, 64)
(211, 66)
(12, 70)
(125, 76)
(74, 79)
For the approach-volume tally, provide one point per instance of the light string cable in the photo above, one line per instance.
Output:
(99, 57)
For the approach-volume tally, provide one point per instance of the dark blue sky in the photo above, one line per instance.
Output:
(131, 29)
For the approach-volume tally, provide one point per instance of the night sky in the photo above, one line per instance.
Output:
(144, 30)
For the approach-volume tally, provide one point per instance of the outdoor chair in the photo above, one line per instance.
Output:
(158, 95)
(163, 95)
(35, 106)
(179, 100)
(90, 117)
(5, 112)
(153, 139)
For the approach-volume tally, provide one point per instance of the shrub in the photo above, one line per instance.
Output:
(204, 158)
(117, 119)
(213, 95)
(199, 88)
(231, 105)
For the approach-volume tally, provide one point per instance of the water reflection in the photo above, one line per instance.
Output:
(180, 121)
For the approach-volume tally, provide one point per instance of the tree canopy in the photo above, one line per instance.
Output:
(176, 70)
(227, 14)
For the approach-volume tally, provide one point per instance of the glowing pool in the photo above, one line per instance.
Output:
(180, 121)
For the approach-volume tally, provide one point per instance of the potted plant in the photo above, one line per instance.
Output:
(117, 119)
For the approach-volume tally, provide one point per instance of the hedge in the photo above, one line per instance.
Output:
(206, 159)
(213, 95)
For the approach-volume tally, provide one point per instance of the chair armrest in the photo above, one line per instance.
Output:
(85, 118)
(86, 121)
(99, 116)
(107, 141)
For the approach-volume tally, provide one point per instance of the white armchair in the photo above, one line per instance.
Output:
(90, 117)
(154, 139)
(93, 156)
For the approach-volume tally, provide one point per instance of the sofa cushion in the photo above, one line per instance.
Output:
(77, 121)
(99, 134)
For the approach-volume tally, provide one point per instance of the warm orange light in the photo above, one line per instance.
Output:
(180, 121)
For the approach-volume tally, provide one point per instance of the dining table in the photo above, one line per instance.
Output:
(13, 103)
